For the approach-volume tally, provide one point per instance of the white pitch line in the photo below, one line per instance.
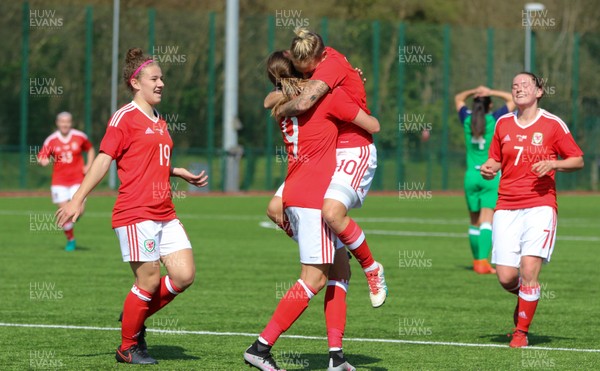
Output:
(361, 340)
(463, 235)
(270, 225)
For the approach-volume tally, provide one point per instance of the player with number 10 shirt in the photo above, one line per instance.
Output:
(356, 154)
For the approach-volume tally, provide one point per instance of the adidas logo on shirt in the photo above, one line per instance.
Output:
(149, 131)
(506, 138)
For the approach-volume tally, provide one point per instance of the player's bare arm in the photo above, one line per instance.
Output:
(567, 165)
(460, 98)
(72, 210)
(312, 92)
(199, 180)
(367, 122)
(504, 95)
(490, 169)
(272, 98)
(91, 154)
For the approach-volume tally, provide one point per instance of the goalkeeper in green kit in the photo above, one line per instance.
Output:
(481, 195)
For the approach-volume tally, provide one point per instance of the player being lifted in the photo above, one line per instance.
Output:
(526, 146)
(310, 141)
(481, 195)
(356, 154)
(66, 147)
(137, 138)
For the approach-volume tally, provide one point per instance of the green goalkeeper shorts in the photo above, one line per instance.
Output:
(480, 193)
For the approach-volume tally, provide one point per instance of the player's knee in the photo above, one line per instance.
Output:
(331, 213)
(507, 282)
(320, 283)
(316, 282)
(183, 280)
(529, 277)
(188, 280)
(149, 283)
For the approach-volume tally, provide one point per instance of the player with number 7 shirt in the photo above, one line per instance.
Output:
(526, 146)
(144, 218)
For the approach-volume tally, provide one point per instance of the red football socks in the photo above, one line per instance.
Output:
(529, 297)
(290, 307)
(335, 313)
(354, 238)
(135, 308)
(68, 230)
(163, 295)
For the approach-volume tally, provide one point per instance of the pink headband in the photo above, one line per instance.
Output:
(140, 68)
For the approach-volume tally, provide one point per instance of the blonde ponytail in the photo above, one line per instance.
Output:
(306, 46)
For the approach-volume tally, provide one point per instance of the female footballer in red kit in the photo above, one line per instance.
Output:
(310, 143)
(526, 146)
(66, 146)
(144, 220)
(356, 154)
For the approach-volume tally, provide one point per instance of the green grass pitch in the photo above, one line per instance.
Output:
(439, 314)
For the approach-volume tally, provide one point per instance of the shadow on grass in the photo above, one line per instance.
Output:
(169, 352)
(534, 340)
(320, 361)
(78, 248)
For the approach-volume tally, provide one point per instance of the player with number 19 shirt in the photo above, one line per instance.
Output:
(144, 217)
(141, 145)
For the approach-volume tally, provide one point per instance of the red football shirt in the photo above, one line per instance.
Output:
(518, 147)
(67, 152)
(310, 141)
(141, 146)
(336, 71)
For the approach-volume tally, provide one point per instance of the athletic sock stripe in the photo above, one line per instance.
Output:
(485, 225)
(169, 286)
(137, 291)
(358, 241)
(308, 291)
(340, 284)
(365, 166)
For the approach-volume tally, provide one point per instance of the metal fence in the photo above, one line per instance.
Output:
(59, 59)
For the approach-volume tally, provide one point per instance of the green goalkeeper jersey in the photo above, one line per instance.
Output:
(477, 148)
